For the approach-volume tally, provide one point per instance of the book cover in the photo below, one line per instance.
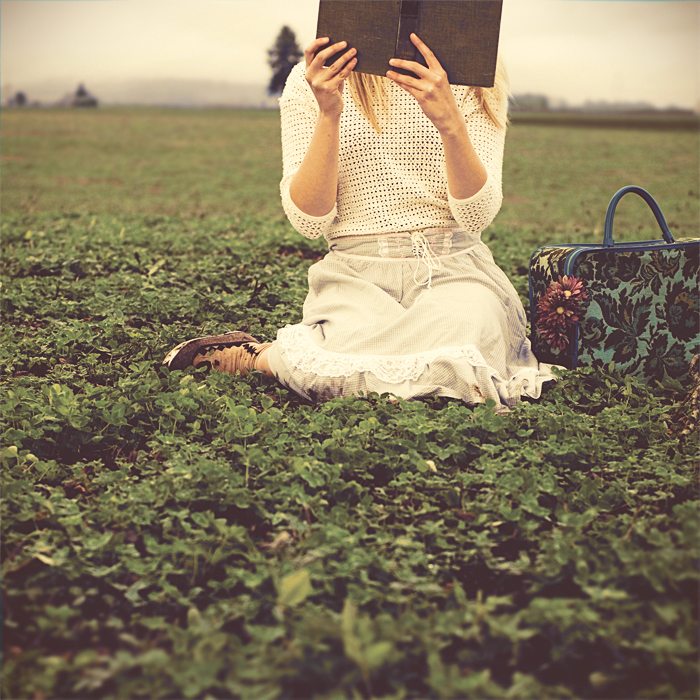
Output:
(463, 34)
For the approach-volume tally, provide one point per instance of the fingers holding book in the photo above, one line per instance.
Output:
(434, 72)
(428, 55)
(431, 88)
(327, 82)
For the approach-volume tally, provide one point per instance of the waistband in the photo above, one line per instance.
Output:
(407, 245)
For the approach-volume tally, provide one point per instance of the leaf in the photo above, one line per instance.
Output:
(351, 642)
(376, 654)
(194, 618)
(156, 267)
(295, 588)
(201, 519)
(132, 593)
(98, 542)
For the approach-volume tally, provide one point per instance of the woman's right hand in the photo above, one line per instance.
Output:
(327, 83)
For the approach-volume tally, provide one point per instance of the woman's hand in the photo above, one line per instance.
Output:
(314, 187)
(466, 174)
(431, 88)
(327, 83)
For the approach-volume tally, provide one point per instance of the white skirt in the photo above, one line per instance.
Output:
(412, 315)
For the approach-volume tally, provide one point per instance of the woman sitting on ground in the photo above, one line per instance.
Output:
(401, 180)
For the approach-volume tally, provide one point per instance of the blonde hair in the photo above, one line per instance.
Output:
(369, 95)
(371, 98)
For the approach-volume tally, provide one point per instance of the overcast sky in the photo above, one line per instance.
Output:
(572, 50)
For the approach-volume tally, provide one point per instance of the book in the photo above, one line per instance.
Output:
(463, 34)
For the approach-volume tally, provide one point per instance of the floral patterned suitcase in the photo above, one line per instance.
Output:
(634, 304)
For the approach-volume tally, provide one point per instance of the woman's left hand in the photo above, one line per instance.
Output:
(431, 88)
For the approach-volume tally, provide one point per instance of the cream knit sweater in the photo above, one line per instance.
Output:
(394, 181)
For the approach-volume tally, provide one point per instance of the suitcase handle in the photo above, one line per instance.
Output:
(608, 235)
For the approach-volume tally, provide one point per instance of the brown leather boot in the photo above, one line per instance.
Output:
(230, 352)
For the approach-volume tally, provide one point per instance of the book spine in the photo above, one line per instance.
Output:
(409, 12)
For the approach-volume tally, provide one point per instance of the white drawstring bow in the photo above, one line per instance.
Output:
(425, 255)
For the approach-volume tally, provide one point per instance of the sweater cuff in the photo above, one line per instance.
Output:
(307, 225)
(475, 197)
(316, 220)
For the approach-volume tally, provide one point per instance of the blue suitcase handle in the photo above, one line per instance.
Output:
(608, 235)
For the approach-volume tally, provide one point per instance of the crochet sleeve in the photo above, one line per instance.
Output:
(478, 211)
(299, 113)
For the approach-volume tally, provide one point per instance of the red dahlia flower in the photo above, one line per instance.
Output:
(558, 310)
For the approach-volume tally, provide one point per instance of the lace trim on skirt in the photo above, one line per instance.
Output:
(304, 355)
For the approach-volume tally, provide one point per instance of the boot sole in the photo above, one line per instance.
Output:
(183, 355)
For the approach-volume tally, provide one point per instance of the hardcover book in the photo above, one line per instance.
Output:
(463, 34)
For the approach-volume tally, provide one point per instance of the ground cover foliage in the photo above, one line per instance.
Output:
(184, 534)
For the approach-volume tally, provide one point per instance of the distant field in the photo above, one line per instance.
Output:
(187, 163)
(558, 180)
(625, 120)
(192, 163)
(125, 162)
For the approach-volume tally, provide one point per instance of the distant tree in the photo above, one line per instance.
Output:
(283, 56)
(18, 100)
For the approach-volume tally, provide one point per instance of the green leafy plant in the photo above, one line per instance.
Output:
(184, 534)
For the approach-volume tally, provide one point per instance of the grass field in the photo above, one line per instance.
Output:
(179, 534)
(660, 121)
